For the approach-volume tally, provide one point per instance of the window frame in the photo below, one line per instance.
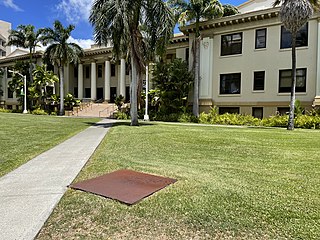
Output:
(255, 79)
(230, 50)
(288, 44)
(288, 89)
(233, 76)
(257, 37)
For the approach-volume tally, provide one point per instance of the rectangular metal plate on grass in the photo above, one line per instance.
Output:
(126, 186)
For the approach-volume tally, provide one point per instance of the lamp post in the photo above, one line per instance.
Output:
(24, 90)
(146, 116)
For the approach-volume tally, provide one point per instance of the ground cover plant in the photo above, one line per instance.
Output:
(233, 183)
(23, 137)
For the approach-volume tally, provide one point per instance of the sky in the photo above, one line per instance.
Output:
(42, 13)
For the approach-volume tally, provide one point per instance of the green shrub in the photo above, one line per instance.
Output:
(275, 121)
(39, 112)
(2, 110)
(121, 115)
(187, 117)
(306, 121)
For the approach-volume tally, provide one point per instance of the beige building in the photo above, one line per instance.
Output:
(245, 64)
(5, 27)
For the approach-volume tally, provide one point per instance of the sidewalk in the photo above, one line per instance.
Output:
(29, 194)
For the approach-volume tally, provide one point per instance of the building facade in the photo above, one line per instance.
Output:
(5, 27)
(245, 63)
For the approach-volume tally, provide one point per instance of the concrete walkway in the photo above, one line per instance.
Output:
(29, 194)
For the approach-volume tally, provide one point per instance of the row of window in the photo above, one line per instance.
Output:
(231, 83)
(257, 112)
(232, 43)
(87, 71)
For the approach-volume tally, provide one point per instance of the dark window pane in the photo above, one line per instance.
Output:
(87, 72)
(75, 92)
(283, 110)
(75, 72)
(231, 44)
(87, 92)
(261, 38)
(258, 81)
(285, 80)
(10, 93)
(230, 83)
(302, 37)
(223, 110)
(113, 70)
(99, 71)
(257, 112)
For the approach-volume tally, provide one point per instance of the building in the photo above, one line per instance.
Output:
(5, 27)
(245, 63)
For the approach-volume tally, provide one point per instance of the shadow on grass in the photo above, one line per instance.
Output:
(118, 123)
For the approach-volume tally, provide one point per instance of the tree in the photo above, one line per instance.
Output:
(294, 14)
(229, 10)
(25, 36)
(60, 52)
(135, 28)
(195, 11)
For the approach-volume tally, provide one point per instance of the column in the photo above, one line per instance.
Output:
(93, 81)
(66, 79)
(107, 81)
(206, 67)
(123, 78)
(317, 97)
(80, 81)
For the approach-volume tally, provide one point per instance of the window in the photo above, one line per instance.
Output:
(283, 110)
(10, 93)
(230, 83)
(231, 44)
(113, 70)
(258, 81)
(261, 38)
(99, 71)
(75, 92)
(75, 72)
(187, 55)
(223, 110)
(87, 92)
(257, 112)
(302, 37)
(285, 80)
(87, 71)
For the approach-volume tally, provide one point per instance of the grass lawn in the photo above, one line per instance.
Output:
(233, 183)
(23, 137)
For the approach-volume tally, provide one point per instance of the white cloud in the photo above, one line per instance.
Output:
(11, 4)
(75, 10)
(84, 43)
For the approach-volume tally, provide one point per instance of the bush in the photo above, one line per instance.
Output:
(275, 121)
(121, 115)
(305, 121)
(2, 110)
(39, 111)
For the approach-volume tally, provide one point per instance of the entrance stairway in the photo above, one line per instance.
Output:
(103, 110)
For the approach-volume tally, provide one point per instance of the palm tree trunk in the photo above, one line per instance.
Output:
(133, 96)
(195, 109)
(61, 111)
(293, 83)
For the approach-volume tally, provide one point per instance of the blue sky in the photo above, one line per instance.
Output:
(42, 13)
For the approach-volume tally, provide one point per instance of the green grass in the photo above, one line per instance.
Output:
(23, 137)
(233, 183)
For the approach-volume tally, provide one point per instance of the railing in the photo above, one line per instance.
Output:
(109, 110)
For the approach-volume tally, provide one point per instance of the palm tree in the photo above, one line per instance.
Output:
(135, 28)
(195, 11)
(294, 14)
(60, 52)
(25, 36)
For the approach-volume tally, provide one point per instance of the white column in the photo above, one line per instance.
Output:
(107, 81)
(206, 66)
(318, 63)
(80, 81)
(123, 78)
(93, 81)
(66, 79)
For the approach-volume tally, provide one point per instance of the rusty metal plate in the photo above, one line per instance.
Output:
(126, 186)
